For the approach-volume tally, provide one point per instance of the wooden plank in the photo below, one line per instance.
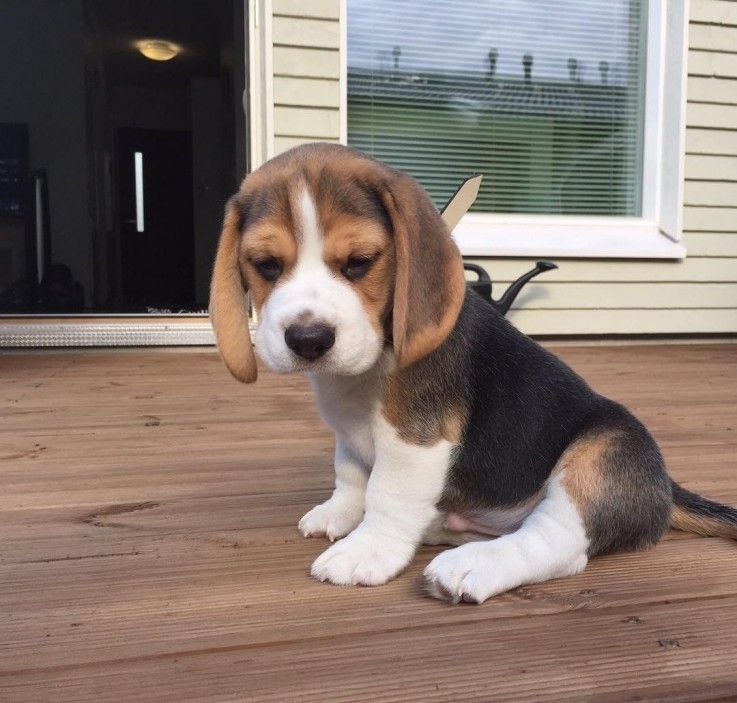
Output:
(316, 9)
(711, 243)
(712, 37)
(712, 90)
(714, 11)
(710, 168)
(689, 270)
(711, 63)
(212, 589)
(720, 142)
(308, 63)
(710, 115)
(624, 296)
(281, 144)
(150, 553)
(587, 322)
(667, 653)
(710, 193)
(710, 219)
(306, 122)
(311, 33)
(306, 92)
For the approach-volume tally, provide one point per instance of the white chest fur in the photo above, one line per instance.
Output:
(348, 405)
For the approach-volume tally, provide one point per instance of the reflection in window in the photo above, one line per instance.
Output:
(87, 224)
(544, 99)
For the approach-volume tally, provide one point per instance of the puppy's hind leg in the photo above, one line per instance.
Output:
(608, 492)
(551, 543)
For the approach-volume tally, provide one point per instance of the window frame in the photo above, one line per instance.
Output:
(654, 235)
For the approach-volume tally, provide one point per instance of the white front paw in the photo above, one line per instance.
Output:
(479, 570)
(470, 573)
(334, 519)
(362, 559)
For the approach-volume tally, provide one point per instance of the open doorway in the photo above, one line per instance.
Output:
(134, 105)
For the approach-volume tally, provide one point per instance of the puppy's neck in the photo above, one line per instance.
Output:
(364, 385)
(347, 403)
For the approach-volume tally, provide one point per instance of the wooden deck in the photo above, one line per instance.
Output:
(149, 551)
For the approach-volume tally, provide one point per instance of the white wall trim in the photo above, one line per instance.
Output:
(268, 60)
(653, 111)
(480, 235)
(675, 86)
(261, 80)
(343, 79)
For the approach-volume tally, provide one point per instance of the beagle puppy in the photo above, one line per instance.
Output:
(451, 426)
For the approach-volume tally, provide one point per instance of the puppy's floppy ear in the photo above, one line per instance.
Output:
(430, 283)
(228, 306)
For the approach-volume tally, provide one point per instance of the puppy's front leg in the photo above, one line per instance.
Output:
(342, 512)
(404, 487)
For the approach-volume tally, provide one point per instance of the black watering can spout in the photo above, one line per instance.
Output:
(483, 285)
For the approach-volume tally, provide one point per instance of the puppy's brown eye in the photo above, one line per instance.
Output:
(269, 268)
(356, 267)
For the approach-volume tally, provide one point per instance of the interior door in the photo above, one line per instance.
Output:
(156, 231)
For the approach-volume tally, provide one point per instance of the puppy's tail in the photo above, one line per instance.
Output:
(693, 513)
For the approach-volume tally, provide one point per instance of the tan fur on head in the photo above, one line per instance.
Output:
(228, 305)
(363, 209)
(430, 284)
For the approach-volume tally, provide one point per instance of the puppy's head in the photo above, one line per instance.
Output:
(342, 256)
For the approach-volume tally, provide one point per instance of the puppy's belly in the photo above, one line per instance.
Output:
(494, 522)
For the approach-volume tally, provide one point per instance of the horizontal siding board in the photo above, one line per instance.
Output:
(712, 63)
(692, 269)
(714, 11)
(593, 296)
(625, 322)
(712, 116)
(291, 31)
(315, 9)
(710, 219)
(710, 193)
(711, 168)
(308, 92)
(307, 63)
(711, 141)
(282, 144)
(711, 244)
(712, 90)
(306, 122)
(712, 37)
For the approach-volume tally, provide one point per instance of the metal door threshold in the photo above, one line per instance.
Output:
(105, 333)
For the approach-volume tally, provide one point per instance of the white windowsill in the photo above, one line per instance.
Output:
(479, 235)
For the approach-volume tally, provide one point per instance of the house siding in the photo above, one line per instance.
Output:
(306, 61)
(696, 295)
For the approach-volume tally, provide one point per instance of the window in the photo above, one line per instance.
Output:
(559, 105)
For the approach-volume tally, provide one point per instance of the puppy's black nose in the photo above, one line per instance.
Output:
(309, 342)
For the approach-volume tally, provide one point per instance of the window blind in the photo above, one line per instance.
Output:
(546, 99)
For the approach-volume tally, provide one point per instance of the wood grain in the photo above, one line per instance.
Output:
(148, 550)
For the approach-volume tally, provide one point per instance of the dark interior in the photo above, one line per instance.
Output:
(114, 168)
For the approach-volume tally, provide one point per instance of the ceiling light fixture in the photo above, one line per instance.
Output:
(158, 49)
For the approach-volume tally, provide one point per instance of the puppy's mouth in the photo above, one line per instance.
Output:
(331, 363)
(316, 348)
(323, 364)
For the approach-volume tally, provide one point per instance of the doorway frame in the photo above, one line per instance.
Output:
(19, 331)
